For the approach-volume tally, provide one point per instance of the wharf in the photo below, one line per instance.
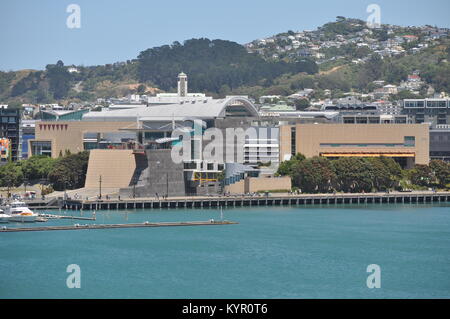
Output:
(111, 226)
(272, 200)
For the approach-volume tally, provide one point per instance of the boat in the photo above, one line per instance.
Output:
(19, 212)
(4, 218)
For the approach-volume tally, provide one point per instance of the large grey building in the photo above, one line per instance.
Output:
(433, 111)
(153, 130)
(440, 143)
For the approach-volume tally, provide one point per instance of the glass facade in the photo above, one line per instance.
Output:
(25, 139)
(41, 148)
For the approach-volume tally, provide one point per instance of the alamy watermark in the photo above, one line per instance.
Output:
(73, 21)
(374, 19)
(220, 147)
(374, 279)
(74, 279)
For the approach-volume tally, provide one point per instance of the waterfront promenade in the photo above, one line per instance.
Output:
(256, 200)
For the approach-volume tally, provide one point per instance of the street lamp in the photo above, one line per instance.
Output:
(100, 187)
(167, 185)
(25, 184)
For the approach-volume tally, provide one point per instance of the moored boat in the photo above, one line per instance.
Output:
(19, 212)
(4, 218)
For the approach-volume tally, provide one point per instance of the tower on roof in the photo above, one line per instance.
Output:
(182, 85)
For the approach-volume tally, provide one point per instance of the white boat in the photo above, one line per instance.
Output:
(4, 218)
(19, 212)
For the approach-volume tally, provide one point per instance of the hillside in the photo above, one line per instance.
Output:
(214, 66)
(432, 63)
(340, 56)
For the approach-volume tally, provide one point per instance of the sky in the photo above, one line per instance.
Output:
(34, 33)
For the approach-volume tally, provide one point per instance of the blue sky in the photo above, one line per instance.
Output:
(34, 33)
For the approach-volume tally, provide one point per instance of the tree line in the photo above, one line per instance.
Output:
(65, 172)
(361, 174)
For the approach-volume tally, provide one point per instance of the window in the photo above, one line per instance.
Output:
(90, 145)
(349, 120)
(293, 141)
(41, 148)
(410, 141)
(361, 120)
(151, 136)
(190, 165)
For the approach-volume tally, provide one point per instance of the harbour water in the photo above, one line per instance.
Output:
(274, 252)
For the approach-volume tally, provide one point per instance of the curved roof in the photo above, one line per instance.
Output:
(203, 109)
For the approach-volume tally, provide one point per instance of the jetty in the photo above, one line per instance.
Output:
(52, 216)
(261, 200)
(211, 222)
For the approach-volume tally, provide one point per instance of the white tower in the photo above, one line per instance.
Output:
(182, 85)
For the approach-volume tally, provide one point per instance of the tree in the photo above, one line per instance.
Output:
(301, 104)
(37, 167)
(353, 174)
(211, 64)
(385, 171)
(441, 171)
(372, 70)
(380, 35)
(11, 175)
(286, 167)
(314, 175)
(422, 175)
(224, 90)
(69, 172)
(404, 95)
(59, 79)
(395, 72)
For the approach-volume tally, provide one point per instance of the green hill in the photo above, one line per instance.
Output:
(219, 67)
(214, 66)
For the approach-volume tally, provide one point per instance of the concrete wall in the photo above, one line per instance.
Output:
(258, 184)
(310, 136)
(115, 166)
(236, 188)
(68, 135)
(160, 175)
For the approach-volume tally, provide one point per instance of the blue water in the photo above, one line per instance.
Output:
(275, 252)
